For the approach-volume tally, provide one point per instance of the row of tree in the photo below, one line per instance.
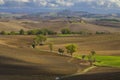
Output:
(40, 40)
(71, 48)
(47, 32)
(41, 31)
(90, 57)
(68, 31)
(30, 32)
(20, 32)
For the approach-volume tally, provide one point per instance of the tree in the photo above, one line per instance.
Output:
(91, 57)
(41, 32)
(71, 48)
(51, 46)
(66, 31)
(83, 57)
(40, 39)
(33, 45)
(31, 32)
(93, 53)
(3, 33)
(61, 51)
(12, 33)
(21, 32)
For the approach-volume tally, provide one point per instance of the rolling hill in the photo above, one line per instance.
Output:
(19, 61)
(10, 26)
(17, 58)
(56, 25)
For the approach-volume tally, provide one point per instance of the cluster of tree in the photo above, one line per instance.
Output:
(41, 32)
(39, 40)
(20, 32)
(68, 31)
(91, 57)
(71, 48)
(3, 33)
(61, 51)
(98, 32)
(48, 32)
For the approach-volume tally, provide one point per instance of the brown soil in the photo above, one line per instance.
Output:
(99, 73)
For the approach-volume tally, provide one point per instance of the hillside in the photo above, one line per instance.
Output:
(113, 23)
(99, 73)
(17, 59)
(10, 26)
(21, 56)
(56, 25)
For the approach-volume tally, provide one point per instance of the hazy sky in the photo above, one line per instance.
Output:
(82, 4)
(65, 3)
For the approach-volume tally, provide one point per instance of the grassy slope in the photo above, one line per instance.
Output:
(113, 61)
(110, 61)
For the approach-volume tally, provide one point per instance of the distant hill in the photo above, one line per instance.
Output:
(68, 13)
(58, 14)
(115, 23)
(60, 19)
(10, 26)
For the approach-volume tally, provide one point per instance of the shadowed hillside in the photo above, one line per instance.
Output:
(99, 73)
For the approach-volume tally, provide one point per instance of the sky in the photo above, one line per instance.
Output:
(95, 5)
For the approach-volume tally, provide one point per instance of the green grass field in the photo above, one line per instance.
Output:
(110, 61)
(113, 61)
(64, 35)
